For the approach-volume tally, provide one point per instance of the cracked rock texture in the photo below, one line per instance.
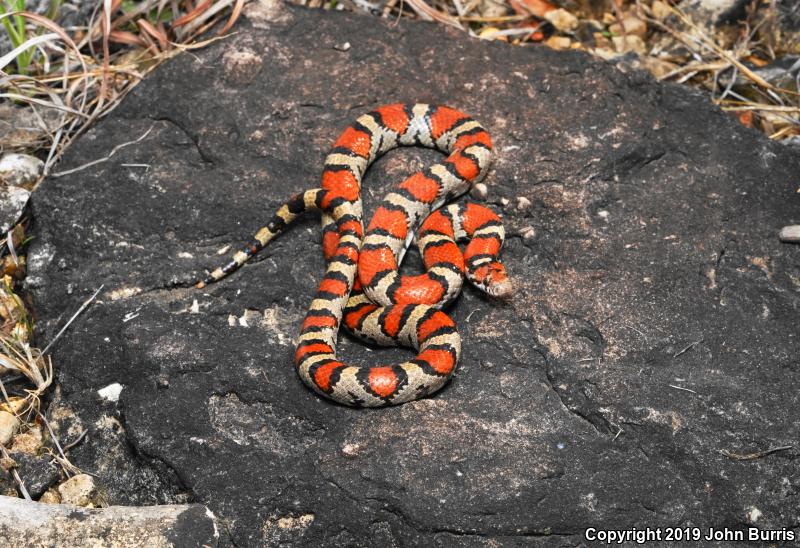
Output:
(653, 338)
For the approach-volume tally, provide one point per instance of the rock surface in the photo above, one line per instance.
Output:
(24, 523)
(640, 378)
(37, 473)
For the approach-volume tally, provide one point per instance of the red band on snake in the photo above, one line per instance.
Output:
(362, 287)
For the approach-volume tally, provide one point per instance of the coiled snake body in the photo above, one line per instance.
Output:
(362, 286)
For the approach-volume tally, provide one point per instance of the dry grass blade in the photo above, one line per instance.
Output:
(192, 15)
(15, 475)
(125, 37)
(427, 12)
(41, 102)
(758, 106)
(756, 455)
(20, 357)
(28, 44)
(703, 38)
(103, 159)
(235, 12)
(148, 28)
(83, 307)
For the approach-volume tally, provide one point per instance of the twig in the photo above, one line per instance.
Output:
(682, 388)
(81, 309)
(52, 434)
(72, 444)
(16, 477)
(695, 343)
(756, 106)
(105, 159)
(757, 455)
(634, 329)
(11, 250)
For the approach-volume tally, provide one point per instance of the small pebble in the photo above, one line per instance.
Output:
(79, 490)
(528, 233)
(9, 424)
(522, 203)
(50, 496)
(632, 26)
(790, 234)
(661, 10)
(558, 42)
(629, 42)
(479, 191)
(28, 442)
(111, 392)
(38, 474)
(504, 202)
(562, 20)
(20, 169)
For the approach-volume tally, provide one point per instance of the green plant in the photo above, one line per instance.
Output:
(17, 31)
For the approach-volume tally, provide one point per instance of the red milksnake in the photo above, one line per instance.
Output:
(362, 287)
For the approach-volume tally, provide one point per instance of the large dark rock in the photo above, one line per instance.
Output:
(652, 344)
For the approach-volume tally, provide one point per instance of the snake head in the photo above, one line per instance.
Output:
(493, 279)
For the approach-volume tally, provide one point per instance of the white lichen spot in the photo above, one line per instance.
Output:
(579, 141)
(553, 347)
(124, 293)
(753, 514)
(111, 392)
(351, 449)
(276, 319)
(213, 519)
(711, 274)
(40, 256)
(528, 233)
(195, 308)
(185, 255)
(232, 320)
(589, 501)
(603, 214)
(299, 522)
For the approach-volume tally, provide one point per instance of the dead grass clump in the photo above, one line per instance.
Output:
(67, 79)
(750, 67)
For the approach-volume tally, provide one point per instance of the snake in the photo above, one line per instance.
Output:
(362, 287)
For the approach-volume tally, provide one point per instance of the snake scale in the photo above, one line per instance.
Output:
(362, 287)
